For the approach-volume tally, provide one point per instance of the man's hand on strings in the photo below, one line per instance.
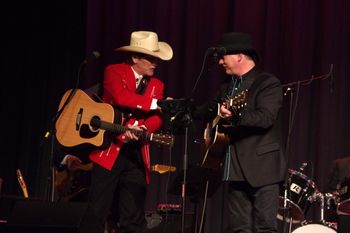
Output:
(130, 136)
(224, 112)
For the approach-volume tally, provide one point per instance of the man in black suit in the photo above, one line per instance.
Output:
(254, 164)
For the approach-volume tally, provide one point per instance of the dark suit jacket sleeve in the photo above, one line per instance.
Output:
(263, 105)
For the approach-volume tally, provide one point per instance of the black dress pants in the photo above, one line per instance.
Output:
(124, 185)
(251, 209)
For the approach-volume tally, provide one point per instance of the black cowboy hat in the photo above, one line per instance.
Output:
(238, 42)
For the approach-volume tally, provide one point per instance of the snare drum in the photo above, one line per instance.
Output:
(302, 192)
(343, 206)
(316, 228)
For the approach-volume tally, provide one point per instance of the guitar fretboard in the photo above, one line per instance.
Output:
(119, 128)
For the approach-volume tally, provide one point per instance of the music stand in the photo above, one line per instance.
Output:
(180, 115)
(201, 183)
(180, 111)
(197, 176)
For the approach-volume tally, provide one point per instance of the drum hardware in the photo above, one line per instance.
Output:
(304, 222)
(331, 199)
(326, 203)
(331, 203)
(321, 226)
(303, 166)
(302, 192)
(313, 197)
(320, 199)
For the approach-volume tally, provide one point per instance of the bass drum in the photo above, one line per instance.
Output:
(316, 228)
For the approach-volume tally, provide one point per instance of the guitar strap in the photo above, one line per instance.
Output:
(95, 92)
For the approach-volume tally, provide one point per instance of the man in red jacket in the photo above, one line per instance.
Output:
(121, 172)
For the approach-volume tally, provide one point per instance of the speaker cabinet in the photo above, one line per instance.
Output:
(40, 217)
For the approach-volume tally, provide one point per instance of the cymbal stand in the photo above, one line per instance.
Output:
(320, 199)
(292, 110)
(286, 207)
(183, 190)
(287, 180)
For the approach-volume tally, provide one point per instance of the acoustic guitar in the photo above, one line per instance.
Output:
(215, 140)
(84, 121)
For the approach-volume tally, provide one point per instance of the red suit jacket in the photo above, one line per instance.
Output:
(120, 89)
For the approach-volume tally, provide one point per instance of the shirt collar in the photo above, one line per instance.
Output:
(138, 77)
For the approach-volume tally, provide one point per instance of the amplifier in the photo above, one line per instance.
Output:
(43, 217)
(170, 223)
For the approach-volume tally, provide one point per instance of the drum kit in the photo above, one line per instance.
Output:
(297, 197)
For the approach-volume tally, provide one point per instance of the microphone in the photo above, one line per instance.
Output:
(216, 52)
(92, 56)
(303, 166)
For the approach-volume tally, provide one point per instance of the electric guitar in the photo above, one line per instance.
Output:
(84, 121)
(161, 169)
(215, 142)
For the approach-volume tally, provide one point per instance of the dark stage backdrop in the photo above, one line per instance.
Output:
(297, 40)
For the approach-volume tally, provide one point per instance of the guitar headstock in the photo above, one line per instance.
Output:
(163, 139)
(237, 101)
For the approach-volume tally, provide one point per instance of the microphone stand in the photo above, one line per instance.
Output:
(183, 193)
(286, 204)
(292, 110)
(183, 120)
(52, 133)
(307, 82)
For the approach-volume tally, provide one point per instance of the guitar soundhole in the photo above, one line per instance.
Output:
(91, 130)
(86, 132)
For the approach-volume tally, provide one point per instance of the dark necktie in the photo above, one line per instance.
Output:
(234, 85)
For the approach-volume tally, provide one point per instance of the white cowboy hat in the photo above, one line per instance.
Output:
(147, 42)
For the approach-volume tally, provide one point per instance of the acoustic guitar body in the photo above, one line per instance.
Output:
(73, 127)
